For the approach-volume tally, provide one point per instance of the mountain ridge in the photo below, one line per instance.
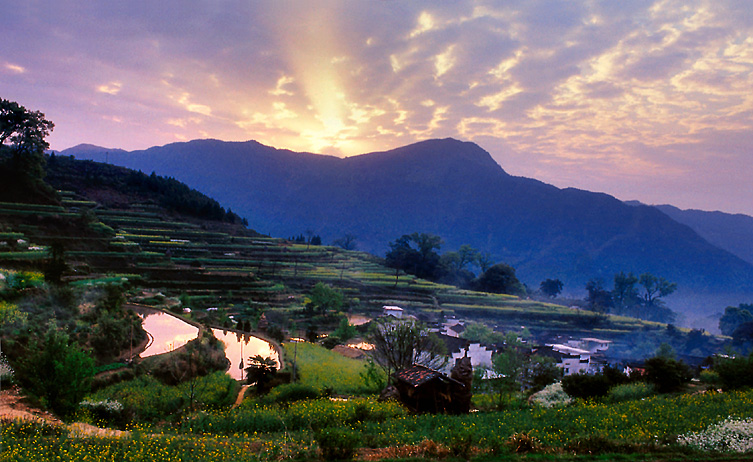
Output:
(453, 189)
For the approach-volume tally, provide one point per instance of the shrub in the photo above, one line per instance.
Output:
(735, 373)
(585, 386)
(551, 396)
(338, 443)
(290, 392)
(730, 435)
(522, 443)
(667, 374)
(630, 391)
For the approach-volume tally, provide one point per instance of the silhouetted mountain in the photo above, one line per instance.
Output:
(731, 232)
(455, 190)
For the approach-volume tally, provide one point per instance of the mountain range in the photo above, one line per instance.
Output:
(456, 190)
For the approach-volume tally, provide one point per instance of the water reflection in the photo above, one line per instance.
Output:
(243, 346)
(167, 332)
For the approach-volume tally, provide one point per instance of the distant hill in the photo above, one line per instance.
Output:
(731, 232)
(453, 189)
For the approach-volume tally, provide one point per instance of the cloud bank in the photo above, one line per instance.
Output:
(647, 100)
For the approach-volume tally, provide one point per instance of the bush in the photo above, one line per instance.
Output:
(585, 386)
(551, 396)
(667, 374)
(731, 435)
(291, 392)
(630, 392)
(588, 386)
(338, 443)
(735, 373)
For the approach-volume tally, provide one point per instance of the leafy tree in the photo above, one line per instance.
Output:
(551, 287)
(56, 265)
(399, 344)
(599, 299)
(23, 130)
(345, 331)
(734, 316)
(542, 371)
(479, 332)
(324, 298)
(509, 365)
(667, 374)
(415, 254)
(500, 279)
(22, 136)
(484, 261)
(742, 337)
(625, 293)
(655, 287)
(260, 371)
(58, 371)
(734, 372)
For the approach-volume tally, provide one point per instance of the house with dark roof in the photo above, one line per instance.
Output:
(423, 389)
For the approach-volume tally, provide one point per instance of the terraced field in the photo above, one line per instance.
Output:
(232, 266)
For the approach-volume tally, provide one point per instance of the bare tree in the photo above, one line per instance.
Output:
(401, 343)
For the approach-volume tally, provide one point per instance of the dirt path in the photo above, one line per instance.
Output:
(241, 394)
(13, 408)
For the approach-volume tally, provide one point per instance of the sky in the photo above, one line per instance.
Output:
(645, 100)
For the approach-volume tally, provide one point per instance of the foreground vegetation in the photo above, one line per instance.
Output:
(658, 428)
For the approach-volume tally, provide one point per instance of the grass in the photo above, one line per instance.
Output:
(323, 369)
(636, 430)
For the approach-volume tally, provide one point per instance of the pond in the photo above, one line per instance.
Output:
(238, 345)
(168, 332)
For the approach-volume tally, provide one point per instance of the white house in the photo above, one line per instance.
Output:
(394, 311)
(594, 345)
(572, 360)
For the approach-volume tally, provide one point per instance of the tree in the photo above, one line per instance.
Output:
(58, 371)
(599, 299)
(345, 331)
(667, 374)
(399, 344)
(415, 254)
(734, 372)
(56, 265)
(260, 371)
(625, 293)
(551, 287)
(22, 134)
(509, 365)
(734, 316)
(479, 332)
(346, 242)
(324, 298)
(401, 256)
(654, 288)
(484, 261)
(588, 386)
(500, 279)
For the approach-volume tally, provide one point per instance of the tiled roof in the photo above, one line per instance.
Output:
(417, 375)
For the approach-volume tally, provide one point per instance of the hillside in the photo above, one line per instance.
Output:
(455, 190)
(731, 232)
(126, 236)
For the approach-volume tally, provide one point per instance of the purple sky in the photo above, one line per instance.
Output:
(647, 100)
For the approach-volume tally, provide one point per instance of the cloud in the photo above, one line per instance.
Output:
(112, 88)
(575, 93)
(14, 68)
